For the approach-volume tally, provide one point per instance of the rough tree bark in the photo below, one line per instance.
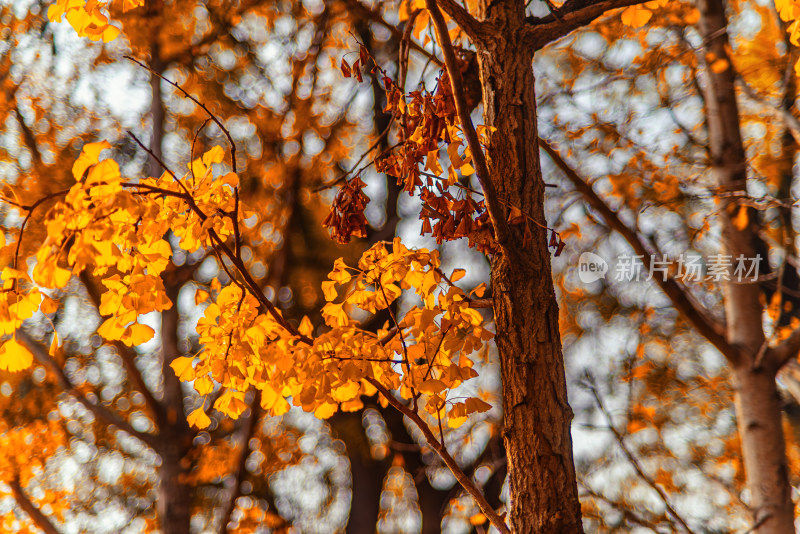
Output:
(754, 368)
(536, 416)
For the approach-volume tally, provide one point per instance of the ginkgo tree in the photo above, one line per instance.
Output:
(415, 361)
(130, 410)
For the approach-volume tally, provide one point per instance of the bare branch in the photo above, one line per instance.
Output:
(574, 14)
(683, 301)
(36, 515)
(786, 350)
(362, 11)
(632, 459)
(196, 101)
(478, 31)
(101, 412)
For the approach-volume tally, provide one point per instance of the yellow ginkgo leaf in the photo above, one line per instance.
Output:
(48, 305)
(183, 367)
(110, 33)
(455, 422)
(345, 392)
(432, 386)
(231, 403)
(204, 385)
(200, 296)
(457, 275)
(325, 410)
(477, 405)
(329, 290)
(136, 334)
(53, 344)
(14, 356)
(199, 419)
(88, 157)
(214, 155)
(636, 16)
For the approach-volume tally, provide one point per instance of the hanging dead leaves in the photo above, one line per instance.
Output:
(428, 130)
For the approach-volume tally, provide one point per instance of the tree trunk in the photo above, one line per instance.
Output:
(757, 403)
(536, 415)
(175, 437)
(366, 473)
(174, 503)
(763, 450)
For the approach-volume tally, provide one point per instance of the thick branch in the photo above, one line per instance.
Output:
(41, 355)
(30, 140)
(457, 84)
(786, 350)
(449, 461)
(681, 299)
(36, 515)
(574, 14)
(477, 31)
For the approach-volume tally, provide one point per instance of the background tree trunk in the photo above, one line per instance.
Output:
(175, 437)
(174, 503)
(757, 401)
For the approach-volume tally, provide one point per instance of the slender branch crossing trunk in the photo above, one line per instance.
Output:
(757, 402)
(536, 416)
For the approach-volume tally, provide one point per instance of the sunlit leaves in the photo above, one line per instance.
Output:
(90, 154)
(14, 356)
(87, 18)
(636, 16)
(114, 229)
(231, 403)
(199, 419)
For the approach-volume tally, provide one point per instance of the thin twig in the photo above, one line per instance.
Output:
(196, 101)
(631, 458)
(191, 150)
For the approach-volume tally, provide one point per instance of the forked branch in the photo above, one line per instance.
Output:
(574, 14)
(681, 299)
